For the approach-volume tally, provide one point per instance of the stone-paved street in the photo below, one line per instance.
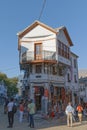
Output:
(40, 124)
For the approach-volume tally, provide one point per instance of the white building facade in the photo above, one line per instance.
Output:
(49, 73)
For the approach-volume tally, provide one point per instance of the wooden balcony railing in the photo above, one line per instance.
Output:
(45, 55)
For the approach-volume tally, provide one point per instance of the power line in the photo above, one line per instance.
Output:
(42, 9)
(7, 69)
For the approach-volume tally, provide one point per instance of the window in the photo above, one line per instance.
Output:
(30, 68)
(68, 77)
(75, 79)
(68, 53)
(74, 63)
(38, 68)
(63, 50)
(60, 71)
(46, 70)
(54, 70)
(59, 48)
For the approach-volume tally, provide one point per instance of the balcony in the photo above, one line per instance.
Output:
(29, 56)
(46, 78)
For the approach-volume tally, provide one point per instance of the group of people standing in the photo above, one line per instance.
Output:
(70, 113)
(30, 108)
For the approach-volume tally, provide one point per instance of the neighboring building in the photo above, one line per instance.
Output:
(50, 68)
(20, 85)
(82, 73)
(72, 82)
(83, 89)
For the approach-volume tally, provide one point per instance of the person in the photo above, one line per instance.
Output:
(56, 110)
(52, 113)
(5, 105)
(21, 111)
(69, 112)
(10, 113)
(80, 110)
(31, 109)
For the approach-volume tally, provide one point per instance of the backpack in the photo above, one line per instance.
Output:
(14, 108)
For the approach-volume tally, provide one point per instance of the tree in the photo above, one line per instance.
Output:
(11, 84)
(3, 77)
(12, 89)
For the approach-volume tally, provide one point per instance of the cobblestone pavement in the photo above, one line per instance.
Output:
(40, 124)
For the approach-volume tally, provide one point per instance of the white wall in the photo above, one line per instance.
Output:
(38, 33)
(61, 36)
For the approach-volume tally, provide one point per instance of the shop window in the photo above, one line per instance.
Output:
(46, 93)
(42, 91)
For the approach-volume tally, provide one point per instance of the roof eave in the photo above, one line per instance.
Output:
(29, 28)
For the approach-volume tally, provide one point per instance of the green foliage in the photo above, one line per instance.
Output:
(11, 84)
(12, 89)
(2, 77)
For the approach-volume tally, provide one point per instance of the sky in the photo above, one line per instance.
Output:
(16, 15)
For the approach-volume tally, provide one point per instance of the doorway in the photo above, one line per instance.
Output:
(39, 92)
(38, 101)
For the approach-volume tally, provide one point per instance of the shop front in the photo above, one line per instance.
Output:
(47, 96)
(68, 97)
(39, 93)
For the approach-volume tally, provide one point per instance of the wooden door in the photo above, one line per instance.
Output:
(38, 51)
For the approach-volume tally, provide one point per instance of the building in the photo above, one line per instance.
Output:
(83, 89)
(74, 78)
(82, 73)
(50, 68)
(20, 85)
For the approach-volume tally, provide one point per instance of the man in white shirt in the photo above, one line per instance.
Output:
(69, 112)
(10, 113)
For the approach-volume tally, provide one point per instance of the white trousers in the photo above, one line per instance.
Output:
(69, 119)
(21, 116)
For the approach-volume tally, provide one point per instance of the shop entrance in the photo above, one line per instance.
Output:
(39, 92)
(38, 101)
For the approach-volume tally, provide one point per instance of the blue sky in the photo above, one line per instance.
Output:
(16, 15)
